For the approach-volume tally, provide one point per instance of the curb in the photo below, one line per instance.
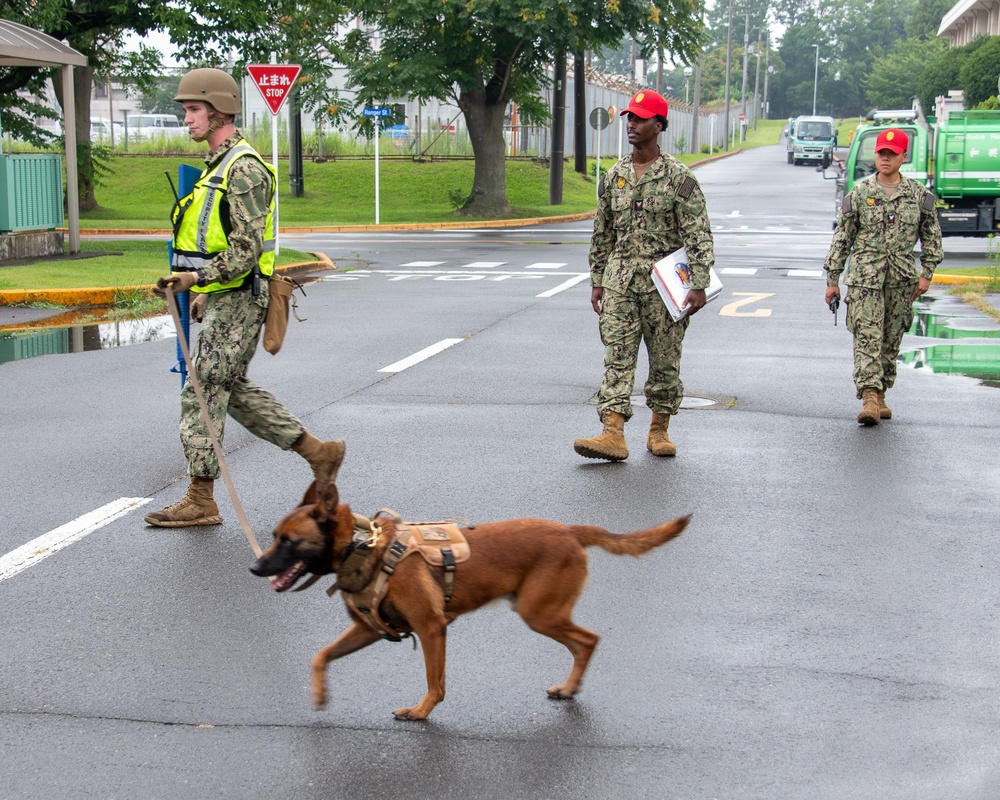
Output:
(105, 295)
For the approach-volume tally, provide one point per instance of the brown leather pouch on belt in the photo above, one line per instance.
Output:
(276, 322)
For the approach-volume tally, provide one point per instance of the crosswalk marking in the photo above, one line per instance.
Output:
(423, 264)
(739, 271)
(546, 265)
(484, 264)
(805, 273)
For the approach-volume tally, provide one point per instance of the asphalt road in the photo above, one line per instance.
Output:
(826, 627)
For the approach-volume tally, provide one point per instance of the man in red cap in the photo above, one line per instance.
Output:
(649, 205)
(881, 220)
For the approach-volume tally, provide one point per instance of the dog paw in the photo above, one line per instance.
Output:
(560, 693)
(409, 714)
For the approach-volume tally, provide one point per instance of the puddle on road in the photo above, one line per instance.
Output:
(79, 332)
(967, 342)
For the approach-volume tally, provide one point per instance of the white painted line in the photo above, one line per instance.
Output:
(565, 285)
(422, 264)
(416, 358)
(546, 265)
(48, 543)
(805, 273)
(484, 264)
(734, 213)
(739, 271)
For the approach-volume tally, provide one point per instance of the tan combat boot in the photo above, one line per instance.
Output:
(610, 445)
(325, 458)
(197, 507)
(884, 412)
(658, 442)
(869, 410)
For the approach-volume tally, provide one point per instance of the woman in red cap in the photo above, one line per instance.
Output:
(649, 205)
(881, 220)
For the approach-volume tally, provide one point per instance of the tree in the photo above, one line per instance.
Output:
(484, 54)
(926, 18)
(895, 79)
(980, 71)
(205, 33)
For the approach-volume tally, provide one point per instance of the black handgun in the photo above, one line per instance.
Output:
(834, 305)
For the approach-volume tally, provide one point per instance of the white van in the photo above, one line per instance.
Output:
(101, 130)
(142, 127)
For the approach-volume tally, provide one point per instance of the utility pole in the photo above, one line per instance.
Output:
(729, 62)
(580, 112)
(558, 132)
(743, 91)
(756, 82)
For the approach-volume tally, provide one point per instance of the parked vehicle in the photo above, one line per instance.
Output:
(104, 131)
(809, 138)
(142, 127)
(958, 158)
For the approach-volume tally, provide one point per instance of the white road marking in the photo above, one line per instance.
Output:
(739, 271)
(805, 273)
(48, 543)
(484, 264)
(565, 285)
(734, 213)
(422, 264)
(546, 265)
(416, 358)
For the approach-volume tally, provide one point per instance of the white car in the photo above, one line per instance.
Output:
(103, 130)
(142, 127)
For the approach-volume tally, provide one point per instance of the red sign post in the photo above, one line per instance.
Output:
(274, 82)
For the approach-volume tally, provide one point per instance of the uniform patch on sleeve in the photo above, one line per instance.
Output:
(687, 187)
(928, 203)
(600, 185)
(846, 207)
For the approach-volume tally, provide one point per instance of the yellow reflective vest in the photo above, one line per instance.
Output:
(200, 232)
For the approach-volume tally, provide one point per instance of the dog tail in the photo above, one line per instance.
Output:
(630, 544)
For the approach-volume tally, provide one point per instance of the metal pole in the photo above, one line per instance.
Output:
(816, 79)
(729, 61)
(743, 89)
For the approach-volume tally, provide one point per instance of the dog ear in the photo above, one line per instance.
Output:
(326, 506)
(310, 496)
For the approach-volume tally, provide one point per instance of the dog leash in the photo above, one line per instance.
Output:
(216, 445)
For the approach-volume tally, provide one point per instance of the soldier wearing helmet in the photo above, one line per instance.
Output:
(649, 205)
(223, 250)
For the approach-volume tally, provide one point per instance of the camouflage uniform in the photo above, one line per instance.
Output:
(637, 224)
(231, 328)
(879, 233)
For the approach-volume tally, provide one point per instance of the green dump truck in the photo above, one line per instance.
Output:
(967, 173)
(959, 159)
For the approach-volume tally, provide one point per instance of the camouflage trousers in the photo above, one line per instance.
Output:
(627, 318)
(227, 341)
(878, 318)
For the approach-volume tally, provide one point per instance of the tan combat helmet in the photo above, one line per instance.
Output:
(211, 86)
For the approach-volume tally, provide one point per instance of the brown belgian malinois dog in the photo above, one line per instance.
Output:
(541, 566)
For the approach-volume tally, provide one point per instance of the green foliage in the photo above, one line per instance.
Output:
(979, 72)
(940, 76)
(160, 98)
(894, 79)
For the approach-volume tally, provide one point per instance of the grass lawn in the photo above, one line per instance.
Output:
(125, 263)
(135, 194)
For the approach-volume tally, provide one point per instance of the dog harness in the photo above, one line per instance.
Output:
(441, 544)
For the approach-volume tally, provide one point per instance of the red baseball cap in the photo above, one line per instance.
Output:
(647, 104)
(892, 139)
